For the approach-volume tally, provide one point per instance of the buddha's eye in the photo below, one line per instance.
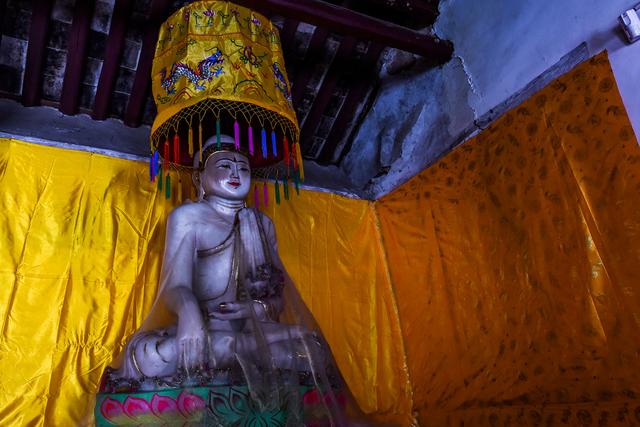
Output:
(224, 166)
(244, 169)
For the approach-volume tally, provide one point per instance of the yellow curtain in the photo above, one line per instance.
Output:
(515, 261)
(498, 287)
(82, 239)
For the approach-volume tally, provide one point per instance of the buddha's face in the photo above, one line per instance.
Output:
(226, 175)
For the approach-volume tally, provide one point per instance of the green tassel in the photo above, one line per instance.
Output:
(167, 187)
(160, 178)
(277, 191)
(218, 132)
(285, 184)
(296, 181)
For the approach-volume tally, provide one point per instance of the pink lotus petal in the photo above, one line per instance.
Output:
(111, 409)
(189, 403)
(136, 407)
(163, 406)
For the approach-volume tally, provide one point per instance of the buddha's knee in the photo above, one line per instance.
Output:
(222, 350)
(155, 355)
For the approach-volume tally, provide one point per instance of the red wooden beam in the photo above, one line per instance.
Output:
(113, 54)
(141, 83)
(326, 92)
(38, 32)
(346, 116)
(360, 26)
(314, 51)
(76, 54)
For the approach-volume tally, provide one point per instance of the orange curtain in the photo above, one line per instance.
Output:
(516, 265)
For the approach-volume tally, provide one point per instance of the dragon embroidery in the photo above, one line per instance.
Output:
(207, 69)
(281, 82)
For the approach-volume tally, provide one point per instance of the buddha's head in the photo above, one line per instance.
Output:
(224, 172)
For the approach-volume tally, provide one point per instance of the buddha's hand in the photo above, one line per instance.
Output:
(190, 341)
(233, 310)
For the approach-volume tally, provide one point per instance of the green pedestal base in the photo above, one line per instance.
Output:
(198, 406)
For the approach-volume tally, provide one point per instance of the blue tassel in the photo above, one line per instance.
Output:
(156, 162)
(152, 169)
(274, 148)
(263, 135)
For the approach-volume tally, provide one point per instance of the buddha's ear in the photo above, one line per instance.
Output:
(197, 182)
(195, 177)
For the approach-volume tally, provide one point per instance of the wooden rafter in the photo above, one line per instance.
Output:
(346, 116)
(326, 91)
(360, 26)
(288, 33)
(142, 80)
(113, 54)
(314, 50)
(76, 55)
(32, 81)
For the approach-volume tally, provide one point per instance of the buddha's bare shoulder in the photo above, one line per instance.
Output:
(188, 212)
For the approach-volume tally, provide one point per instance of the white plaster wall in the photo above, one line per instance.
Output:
(500, 46)
(504, 44)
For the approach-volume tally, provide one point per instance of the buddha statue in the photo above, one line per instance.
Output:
(237, 320)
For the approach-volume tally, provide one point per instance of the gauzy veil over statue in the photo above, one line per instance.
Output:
(227, 317)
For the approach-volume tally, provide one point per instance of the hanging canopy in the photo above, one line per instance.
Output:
(219, 67)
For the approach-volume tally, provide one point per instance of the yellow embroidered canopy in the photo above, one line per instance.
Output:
(219, 67)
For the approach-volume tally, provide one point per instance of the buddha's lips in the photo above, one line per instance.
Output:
(234, 184)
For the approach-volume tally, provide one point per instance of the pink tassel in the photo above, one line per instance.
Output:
(236, 135)
(250, 141)
(256, 196)
(265, 193)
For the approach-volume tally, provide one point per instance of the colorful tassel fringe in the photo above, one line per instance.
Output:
(285, 187)
(250, 137)
(218, 143)
(176, 148)
(263, 138)
(200, 142)
(236, 135)
(274, 145)
(152, 168)
(159, 178)
(300, 162)
(166, 151)
(276, 190)
(296, 181)
(285, 149)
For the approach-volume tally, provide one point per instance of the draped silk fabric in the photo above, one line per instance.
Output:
(82, 241)
(516, 265)
(498, 287)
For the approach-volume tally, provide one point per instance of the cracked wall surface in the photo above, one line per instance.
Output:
(421, 113)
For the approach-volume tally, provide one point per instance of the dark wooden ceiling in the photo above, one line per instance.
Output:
(95, 57)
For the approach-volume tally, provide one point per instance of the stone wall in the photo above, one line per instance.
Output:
(500, 48)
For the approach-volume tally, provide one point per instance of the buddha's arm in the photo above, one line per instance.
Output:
(276, 303)
(177, 294)
(177, 264)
